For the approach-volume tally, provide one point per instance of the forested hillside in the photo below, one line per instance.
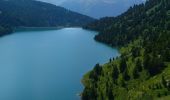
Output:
(142, 72)
(32, 13)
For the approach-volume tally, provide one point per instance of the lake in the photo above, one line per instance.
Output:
(48, 65)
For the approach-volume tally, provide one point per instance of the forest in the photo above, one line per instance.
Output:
(32, 13)
(142, 72)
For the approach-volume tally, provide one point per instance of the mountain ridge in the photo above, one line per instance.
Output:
(96, 8)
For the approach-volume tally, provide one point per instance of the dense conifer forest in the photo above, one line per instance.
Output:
(32, 13)
(142, 72)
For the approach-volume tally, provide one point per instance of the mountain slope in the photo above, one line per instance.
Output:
(142, 71)
(96, 8)
(31, 13)
(126, 26)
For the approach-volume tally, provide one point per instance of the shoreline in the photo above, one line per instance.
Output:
(20, 29)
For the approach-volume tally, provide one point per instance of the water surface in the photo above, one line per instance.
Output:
(48, 65)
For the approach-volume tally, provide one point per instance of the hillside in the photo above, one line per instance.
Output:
(142, 72)
(100, 8)
(132, 23)
(31, 13)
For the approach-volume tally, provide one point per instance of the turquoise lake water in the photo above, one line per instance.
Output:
(48, 65)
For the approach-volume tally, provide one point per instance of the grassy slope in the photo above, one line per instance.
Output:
(136, 89)
(142, 88)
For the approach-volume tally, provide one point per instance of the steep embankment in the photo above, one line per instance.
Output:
(143, 69)
(32, 13)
